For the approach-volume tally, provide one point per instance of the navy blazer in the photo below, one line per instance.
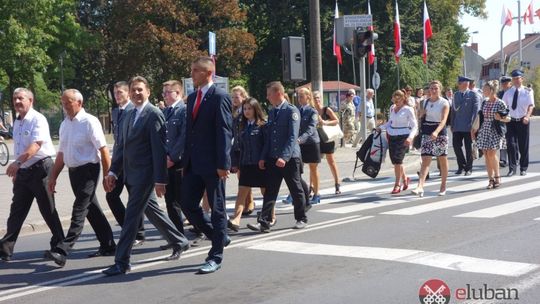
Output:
(209, 136)
(117, 121)
(251, 144)
(176, 131)
(141, 156)
(282, 133)
(309, 118)
(464, 109)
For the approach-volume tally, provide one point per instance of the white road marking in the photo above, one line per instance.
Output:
(464, 200)
(503, 209)
(418, 257)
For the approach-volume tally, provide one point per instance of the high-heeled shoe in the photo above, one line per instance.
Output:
(419, 192)
(442, 193)
(496, 182)
(406, 183)
(396, 190)
(491, 184)
(337, 189)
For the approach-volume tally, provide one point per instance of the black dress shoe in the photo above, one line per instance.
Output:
(510, 173)
(459, 172)
(56, 257)
(232, 226)
(247, 212)
(258, 227)
(5, 257)
(209, 267)
(227, 241)
(467, 173)
(165, 247)
(308, 206)
(523, 173)
(116, 269)
(197, 240)
(102, 252)
(177, 251)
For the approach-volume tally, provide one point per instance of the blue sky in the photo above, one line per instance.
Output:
(488, 37)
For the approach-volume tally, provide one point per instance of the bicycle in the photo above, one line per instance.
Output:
(4, 152)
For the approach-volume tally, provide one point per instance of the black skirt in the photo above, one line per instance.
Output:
(251, 176)
(397, 148)
(328, 148)
(311, 153)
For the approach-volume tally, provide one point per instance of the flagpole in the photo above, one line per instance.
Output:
(398, 86)
(519, 35)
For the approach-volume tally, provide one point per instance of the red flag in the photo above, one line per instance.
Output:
(528, 14)
(336, 47)
(538, 13)
(506, 17)
(397, 36)
(371, 53)
(427, 32)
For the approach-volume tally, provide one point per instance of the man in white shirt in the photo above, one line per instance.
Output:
(30, 172)
(82, 147)
(520, 102)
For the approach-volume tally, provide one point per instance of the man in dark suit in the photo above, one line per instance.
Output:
(118, 115)
(206, 160)
(142, 159)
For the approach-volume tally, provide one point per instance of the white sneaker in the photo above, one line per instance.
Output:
(300, 225)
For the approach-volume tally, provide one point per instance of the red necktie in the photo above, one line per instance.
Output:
(197, 104)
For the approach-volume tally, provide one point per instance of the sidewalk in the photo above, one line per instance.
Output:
(345, 159)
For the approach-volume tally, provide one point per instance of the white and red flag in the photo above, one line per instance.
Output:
(371, 53)
(397, 36)
(506, 17)
(427, 32)
(528, 16)
(336, 47)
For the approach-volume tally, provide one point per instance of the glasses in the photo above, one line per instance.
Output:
(165, 93)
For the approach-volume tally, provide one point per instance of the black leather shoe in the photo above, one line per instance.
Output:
(56, 257)
(138, 243)
(258, 227)
(467, 173)
(227, 241)
(165, 247)
(101, 252)
(232, 226)
(502, 164)
(459, 172)
(523, 173)
(197, 240)
(177, 251)
(247, 212)
(116, 269)
(510, 173)
(209, 267)
(308, 206)
(5, 257)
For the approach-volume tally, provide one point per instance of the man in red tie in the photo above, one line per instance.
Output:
(206, 160)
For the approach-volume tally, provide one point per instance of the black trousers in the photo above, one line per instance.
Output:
(117, 206)
(173, 197)
(142, 200)
(298, 189)
(517, 141)
(215, 228)
(31, 183)
(459, 139)
(84, 181)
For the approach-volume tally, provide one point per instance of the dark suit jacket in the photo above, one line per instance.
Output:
(208, 137)
(141, 157)
(118, 121)
(176, 131)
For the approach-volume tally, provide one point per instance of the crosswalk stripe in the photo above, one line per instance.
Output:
(418, 257)
(503, 209)
(464, 200)
(390, 201)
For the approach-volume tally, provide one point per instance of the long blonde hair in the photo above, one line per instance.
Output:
(309, 96)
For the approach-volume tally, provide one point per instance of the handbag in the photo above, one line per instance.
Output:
(330, 133)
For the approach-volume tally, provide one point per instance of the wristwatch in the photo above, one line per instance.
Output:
(18, 162)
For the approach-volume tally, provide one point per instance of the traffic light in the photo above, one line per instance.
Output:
(363, 41)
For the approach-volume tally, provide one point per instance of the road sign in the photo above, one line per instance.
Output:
(376, 80)
(211, 43)
(357, 21)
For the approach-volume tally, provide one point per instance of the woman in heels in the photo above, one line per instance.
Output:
(434, 114)
(488, 139)
(401, 129)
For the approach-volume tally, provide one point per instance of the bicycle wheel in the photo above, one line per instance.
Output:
(4, 154)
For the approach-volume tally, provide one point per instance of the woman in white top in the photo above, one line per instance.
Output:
(434, 136)
(401, 129)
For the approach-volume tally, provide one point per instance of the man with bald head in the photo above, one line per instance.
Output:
(82, 148)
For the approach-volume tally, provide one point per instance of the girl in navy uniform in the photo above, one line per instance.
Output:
(250, 144)
(309, 140)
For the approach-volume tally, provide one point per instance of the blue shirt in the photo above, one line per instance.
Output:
(465, 107)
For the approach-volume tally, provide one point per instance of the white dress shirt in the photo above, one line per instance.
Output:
(32, 128)
(403, 122)
(525, 99)
(80, 139)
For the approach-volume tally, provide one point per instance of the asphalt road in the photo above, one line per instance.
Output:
(364, 246)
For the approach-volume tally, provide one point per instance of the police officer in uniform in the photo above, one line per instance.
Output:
(281, 159)
(175, 121)
(520, 101)
(30, 172)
